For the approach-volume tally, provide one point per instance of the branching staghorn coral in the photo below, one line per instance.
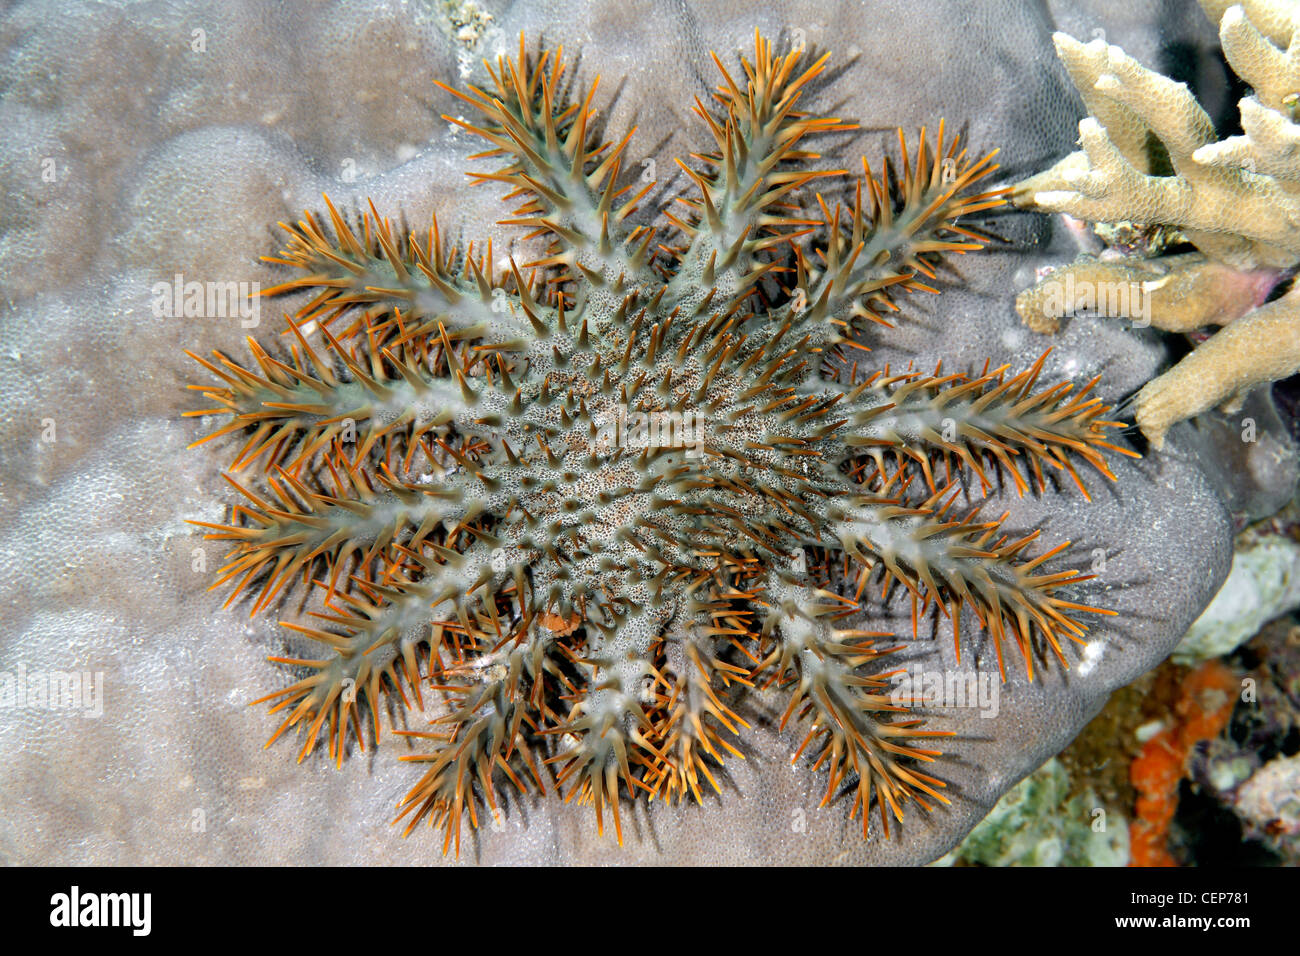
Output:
(594, 504)
(1237, 200)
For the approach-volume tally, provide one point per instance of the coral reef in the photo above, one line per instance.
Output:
(175, 135)
(1150, 156)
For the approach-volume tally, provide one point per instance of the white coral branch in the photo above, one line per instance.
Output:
(1273, 73)
(1270, 146)
(1237, 199)
(1264, 346)
(1276, 19)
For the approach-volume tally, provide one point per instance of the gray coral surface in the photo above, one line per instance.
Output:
(176, 151)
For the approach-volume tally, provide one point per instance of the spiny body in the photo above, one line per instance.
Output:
(597, 604)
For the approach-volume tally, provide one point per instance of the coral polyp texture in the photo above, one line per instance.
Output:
(1151, 157)
(593, 499)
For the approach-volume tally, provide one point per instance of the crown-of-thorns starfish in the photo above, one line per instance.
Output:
(593, 500)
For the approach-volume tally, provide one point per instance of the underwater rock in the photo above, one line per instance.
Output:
(1264, 583)
(1269, 804)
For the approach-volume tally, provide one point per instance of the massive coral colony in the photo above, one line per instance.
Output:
(436, 455)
